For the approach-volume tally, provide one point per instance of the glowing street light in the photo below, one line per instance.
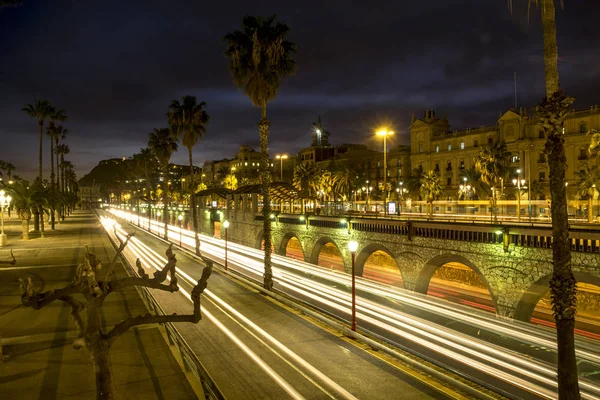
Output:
(519, 182)
(353, 246)
(180, 218)
(4, 201)
(385, 133)
(281, 157)
(226, 225)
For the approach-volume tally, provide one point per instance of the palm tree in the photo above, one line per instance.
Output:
(431, 187)
(413, 183)
(189, 120)
(23, 200)
(40, 110)
(588, 181)
(61, 150)
(54, 132)
(491, 164)
(473, 178)
(306, 180)
(163, 143)
(594, 148)
(260, 58)
(552, 114)
(346, 179)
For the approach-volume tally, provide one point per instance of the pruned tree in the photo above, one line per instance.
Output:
(89, 284)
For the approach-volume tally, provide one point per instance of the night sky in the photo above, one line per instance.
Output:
(115, 66)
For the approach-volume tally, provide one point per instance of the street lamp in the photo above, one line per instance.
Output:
(281, 157)
(4, 201)
(226, 225)
(518, 182)
(180, 218)
(353, 246)
(385, 133)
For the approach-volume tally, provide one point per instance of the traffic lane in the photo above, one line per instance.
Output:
(327, 352)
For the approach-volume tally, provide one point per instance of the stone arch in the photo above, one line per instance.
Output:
(367, 251)
(422, 283)
(318, 246)
(538, 289)
(284, 242)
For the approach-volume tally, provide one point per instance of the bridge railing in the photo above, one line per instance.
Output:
(583, 238)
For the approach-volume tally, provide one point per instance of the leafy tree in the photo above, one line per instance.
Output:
(589, 179)
(260, 58)
(163, 142)
(474, 180)
(431, 187)
(491, 164)
(594, 147)
(230, 182)
(189, 120)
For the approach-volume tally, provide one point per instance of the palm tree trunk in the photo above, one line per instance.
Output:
(165, 205)
(590, 212)
(263, 130)
(25, 228)
(52, 188)
(193, 202)
(563, 286)
(41, 149)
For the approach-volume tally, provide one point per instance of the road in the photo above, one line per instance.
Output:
(513, 358)
(255, 348)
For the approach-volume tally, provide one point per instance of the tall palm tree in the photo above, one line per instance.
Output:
(413, 183)
(552, 114)
(306, 180)
(473, 178)
(54, 132)
(260, 58)
(589, 183)
(163, 143)
(189, 120)
(346, 179)
(57, 138)
(39, 110)
(491, 164)
(431, 187)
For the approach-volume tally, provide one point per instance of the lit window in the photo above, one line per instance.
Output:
(462, 145)
(449, 146)
(420, 147)
(437, 148)
(245, 164)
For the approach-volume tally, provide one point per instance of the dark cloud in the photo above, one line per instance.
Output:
(115, 67)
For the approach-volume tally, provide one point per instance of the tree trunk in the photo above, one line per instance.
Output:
(263, 130)
(52, 187)
(99, 352)
(165, 206)
(193, 203)
(563, 286)
(41, 213)
(25, 227)
(590, 212)
(41, 149)
(36, 221)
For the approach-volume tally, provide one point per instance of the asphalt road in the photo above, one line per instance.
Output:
(284, 356)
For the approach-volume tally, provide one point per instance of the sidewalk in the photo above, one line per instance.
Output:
(39, 361)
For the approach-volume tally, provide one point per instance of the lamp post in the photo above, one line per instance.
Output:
(180, 218)
(226, 225)
(4, 201)
(281, 157)
(353, 246)
(518, 182)
(385, 133)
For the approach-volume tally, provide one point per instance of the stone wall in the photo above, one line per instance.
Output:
(516, 279)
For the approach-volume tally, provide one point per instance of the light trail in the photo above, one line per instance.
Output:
(494, 361)
(153, 259)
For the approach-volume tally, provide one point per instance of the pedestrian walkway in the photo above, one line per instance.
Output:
(39, 361)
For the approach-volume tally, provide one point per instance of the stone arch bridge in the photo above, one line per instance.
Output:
(513, 261)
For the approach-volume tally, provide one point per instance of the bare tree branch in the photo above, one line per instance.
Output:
(76, 307)
(169, 266)
(29, 297)
(122, 327)
(122, 244)
(141, 272)
(11, 262)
